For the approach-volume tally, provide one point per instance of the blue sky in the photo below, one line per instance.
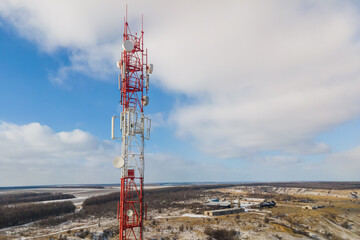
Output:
(242, 91)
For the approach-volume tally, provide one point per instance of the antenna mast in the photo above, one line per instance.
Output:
(134, 129)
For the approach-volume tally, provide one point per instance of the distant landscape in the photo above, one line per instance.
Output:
(304, 210)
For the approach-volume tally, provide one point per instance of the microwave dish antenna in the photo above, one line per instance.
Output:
(118, 162)
(129, 213)
(128, 45)
(118, 64)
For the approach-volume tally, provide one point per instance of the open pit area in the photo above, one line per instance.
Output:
(302, 211)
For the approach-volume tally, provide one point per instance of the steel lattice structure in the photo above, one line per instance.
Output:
(134, 129)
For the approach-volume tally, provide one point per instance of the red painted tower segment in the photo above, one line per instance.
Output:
(134, 128)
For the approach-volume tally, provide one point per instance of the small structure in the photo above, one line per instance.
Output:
(313, 207)
(217, 202)
(268, 204)
(354, 195)
(224, 212)
(307, 207)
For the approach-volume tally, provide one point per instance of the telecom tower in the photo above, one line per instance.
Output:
(134, 129)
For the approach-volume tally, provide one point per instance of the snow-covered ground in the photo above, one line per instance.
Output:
(194, 215)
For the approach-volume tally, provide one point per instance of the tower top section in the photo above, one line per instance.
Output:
(135, 70)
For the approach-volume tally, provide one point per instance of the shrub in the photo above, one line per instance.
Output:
(220, 234)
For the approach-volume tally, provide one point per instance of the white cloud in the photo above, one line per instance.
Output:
(277, 160)
(51, 25)
(187, 169)
(342, 165)
(89, 30)
(157, 120)
(35, 154)
(267, 76)
(263, 75)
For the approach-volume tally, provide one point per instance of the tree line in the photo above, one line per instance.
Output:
(7, 199)
(25, 213)
(157, 199)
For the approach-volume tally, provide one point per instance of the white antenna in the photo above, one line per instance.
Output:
(129, 213)
(118, 162)
(128, 45)
(145, 100)
(150, 68)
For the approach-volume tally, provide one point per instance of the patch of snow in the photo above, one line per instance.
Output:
(54, 233)
(194, 215)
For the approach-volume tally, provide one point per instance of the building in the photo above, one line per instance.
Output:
(224, 212)
(307, 207)
(313, 207)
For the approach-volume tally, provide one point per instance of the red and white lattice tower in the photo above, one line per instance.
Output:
(134, 129)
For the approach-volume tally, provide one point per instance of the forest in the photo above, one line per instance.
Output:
(7, 199)
(25, 213)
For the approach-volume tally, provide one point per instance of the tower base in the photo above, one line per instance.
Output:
(131, 208)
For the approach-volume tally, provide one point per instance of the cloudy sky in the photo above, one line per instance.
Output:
(241, 90)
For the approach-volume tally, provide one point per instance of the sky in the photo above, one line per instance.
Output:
(241, 90)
